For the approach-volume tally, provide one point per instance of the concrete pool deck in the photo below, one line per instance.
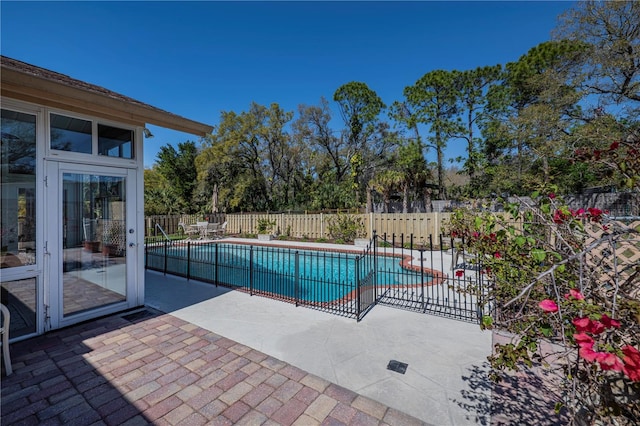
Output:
(446, 380)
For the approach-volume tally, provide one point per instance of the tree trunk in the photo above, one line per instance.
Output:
(405, 198)
(441, 187)
(427, 200)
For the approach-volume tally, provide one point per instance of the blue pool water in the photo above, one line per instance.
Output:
(315, 276)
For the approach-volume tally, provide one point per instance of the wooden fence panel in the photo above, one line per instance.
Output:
(421, 225)
(171, 224)
(312, 226)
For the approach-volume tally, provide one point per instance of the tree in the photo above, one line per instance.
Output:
(415, 174)
(609, 73)
(610, 64)
(160, 197)
(386, 183)
(330, 153)
(252, 159)
(360, 107)
(178, 168)
(528, 118)
(473, 86)
(433, 99)
(231, 159)
(365, 136)
(281, 164)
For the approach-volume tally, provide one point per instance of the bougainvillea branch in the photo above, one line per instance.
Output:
(560, 276)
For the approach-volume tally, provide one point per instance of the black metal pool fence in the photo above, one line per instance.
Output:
(347, 283)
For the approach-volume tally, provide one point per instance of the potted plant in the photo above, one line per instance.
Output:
(91, 242)
(265, 228)
(92, 246)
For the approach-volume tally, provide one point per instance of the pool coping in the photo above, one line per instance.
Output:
(439, 277)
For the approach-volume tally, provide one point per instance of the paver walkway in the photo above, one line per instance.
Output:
(159, 369)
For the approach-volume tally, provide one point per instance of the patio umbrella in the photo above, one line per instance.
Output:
(214, 199)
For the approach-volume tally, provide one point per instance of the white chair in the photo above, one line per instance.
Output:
(219, 233)
(6, 319)
(212, 229)
(202, 228)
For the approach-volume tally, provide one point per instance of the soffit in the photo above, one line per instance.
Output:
(26, 82)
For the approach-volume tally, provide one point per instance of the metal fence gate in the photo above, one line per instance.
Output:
(451, 286)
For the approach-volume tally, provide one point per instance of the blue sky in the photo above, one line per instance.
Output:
(199, 58)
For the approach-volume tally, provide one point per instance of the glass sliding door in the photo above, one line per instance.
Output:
(91, 241)
(94, 241)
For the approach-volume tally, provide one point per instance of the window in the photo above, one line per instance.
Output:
(115, 142)
(77, 135)
(18, 218)
(70, 134)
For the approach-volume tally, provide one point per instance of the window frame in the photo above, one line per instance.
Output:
(31, 270)
(94, 155)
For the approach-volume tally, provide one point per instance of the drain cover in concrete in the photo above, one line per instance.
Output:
(397, 366)
(140, 315)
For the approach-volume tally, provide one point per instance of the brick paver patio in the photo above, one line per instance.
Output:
(159, 369)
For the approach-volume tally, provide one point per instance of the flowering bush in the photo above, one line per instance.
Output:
(345, 227)
(566, 284)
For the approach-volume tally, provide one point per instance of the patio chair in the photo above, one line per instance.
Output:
(198, 230)
(211, 229)
(6, 319)
(219, 233)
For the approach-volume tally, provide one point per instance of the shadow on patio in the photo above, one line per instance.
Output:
(147, 367)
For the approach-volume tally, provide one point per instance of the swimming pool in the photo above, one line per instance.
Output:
(304, 276)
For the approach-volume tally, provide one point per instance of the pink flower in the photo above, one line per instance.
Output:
(609, 322)
(587, 325)
(583, 340)
(588, 354)
(609, 361)
(631, 363)
(559, 216)
(497, 255)
(552, 195)
(548, 305)
(614, 145)
(632, 355)
(575, 294)
(459, 273)
(596, 327)
(582, 324)
(596, 214)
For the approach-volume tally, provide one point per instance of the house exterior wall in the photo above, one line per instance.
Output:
(58, 184)
(32, 229)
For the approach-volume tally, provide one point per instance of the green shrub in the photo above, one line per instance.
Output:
(265, 226)
(346, 228)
